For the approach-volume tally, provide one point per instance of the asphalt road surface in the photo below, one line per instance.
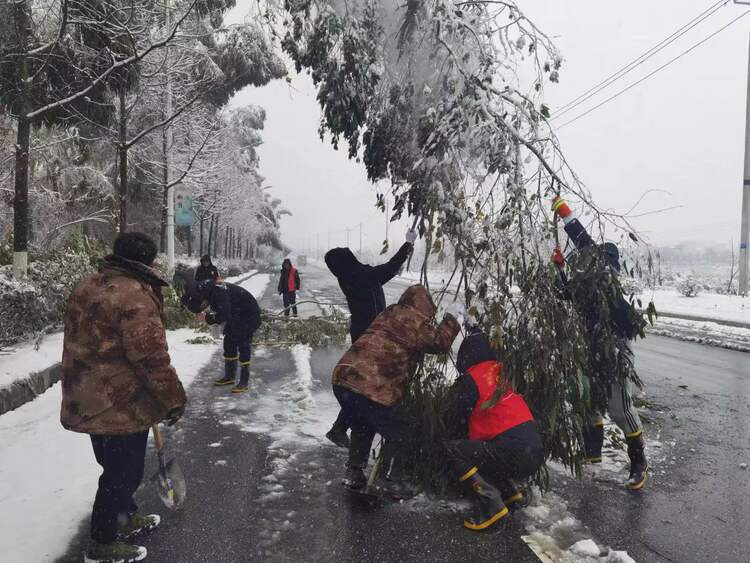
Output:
(264, 486)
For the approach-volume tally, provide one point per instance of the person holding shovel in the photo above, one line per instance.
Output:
(239, 312)
(117, 381)
(370, 379)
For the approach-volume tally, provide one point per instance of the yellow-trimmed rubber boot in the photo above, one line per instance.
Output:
(242, 386)
(514, 497)
(230, 373)
(593, 441)
(488, 508)
(638, 463)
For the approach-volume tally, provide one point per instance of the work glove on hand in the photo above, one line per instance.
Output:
(457, 310)
(211, 318)
(557, 257)
(411, 236)
(563, 210)
(175, 415)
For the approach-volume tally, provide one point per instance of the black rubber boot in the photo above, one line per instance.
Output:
(638, 463)
(514, 497)
(241, 387)
(593, 441)
(354, 478)
(337, 435)
(230, 373)
(488, 502)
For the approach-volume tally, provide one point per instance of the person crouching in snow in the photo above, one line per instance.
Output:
(490, 445)
(370, 379)
(117, 381)
(238, 310)
(289, 285)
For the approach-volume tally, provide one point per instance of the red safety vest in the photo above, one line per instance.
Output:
(291, 282)
(510, 411)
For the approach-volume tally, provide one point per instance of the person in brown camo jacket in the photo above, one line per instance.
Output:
(370, 379)
(117, 381)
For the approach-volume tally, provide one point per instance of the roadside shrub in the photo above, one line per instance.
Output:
(689, 287)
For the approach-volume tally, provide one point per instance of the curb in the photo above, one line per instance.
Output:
(22, 391)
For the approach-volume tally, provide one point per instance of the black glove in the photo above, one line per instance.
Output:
(211, 318)
(175, 415)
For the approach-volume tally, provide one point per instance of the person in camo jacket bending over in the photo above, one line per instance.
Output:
(117, 381)
(619, 396)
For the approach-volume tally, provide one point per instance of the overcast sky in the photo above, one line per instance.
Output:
(681, 131)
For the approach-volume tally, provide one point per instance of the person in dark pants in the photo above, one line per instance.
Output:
(238, 310)
(619, 394)
(362, 285)
(489, 446)
(370, 379)
(206, 270)
(116, 396)
(289, 285)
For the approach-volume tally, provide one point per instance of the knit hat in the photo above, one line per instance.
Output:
(474, 350)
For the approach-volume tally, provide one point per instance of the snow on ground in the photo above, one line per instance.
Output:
(20, 361)
(710, 305)
(48, 475)
(703, 332)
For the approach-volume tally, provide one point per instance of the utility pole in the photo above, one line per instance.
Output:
(167, 156)
(745, 221)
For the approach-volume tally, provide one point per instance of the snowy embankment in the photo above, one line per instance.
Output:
(709, 318)
(47, 474)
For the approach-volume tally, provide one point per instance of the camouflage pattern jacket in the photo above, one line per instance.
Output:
(116, 372)
(377, 365)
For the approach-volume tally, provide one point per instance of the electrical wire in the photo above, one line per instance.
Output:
(635, 63)
(649, 75)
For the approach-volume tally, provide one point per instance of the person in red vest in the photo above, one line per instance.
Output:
(489, 445)
(289, 284)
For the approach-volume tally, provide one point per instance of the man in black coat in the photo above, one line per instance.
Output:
(238, 310)
(206, 271)
(289, 285)
(622, 322)
(362, 285)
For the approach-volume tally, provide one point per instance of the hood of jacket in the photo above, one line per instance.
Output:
(342, 263)
(206, 258)
(286, 264)
(475, 349)
(419, 298)
(136, 269)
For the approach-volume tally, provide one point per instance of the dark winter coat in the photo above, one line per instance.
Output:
(620, 310)
(284, 278)
(209, 272)
(116, 372)
(232, 305)
(377, 364)
(362, 284)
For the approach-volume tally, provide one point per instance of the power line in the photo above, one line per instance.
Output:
(635, 63)
(649, 75)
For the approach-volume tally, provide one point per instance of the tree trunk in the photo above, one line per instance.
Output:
(122, 153)
(21, 200)
(216, 237)
(226, 243)
(189, 231)
(200, 223)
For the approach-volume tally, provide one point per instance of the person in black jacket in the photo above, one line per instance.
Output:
(206, 271)
(238, 310)
(362, 285)
(622, 319)
(289, 285)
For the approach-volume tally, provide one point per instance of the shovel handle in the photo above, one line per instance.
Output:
(157, 438)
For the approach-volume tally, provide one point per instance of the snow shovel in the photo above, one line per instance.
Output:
(170, 481)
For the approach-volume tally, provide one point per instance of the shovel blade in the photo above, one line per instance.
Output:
(171, 485)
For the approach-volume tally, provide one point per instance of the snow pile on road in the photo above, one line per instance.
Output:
(48, 476)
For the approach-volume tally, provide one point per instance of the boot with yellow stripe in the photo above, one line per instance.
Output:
(593, 441)
(638, 463)
(514, 497)
(242, 387)
(230, 372)
(488, 502)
